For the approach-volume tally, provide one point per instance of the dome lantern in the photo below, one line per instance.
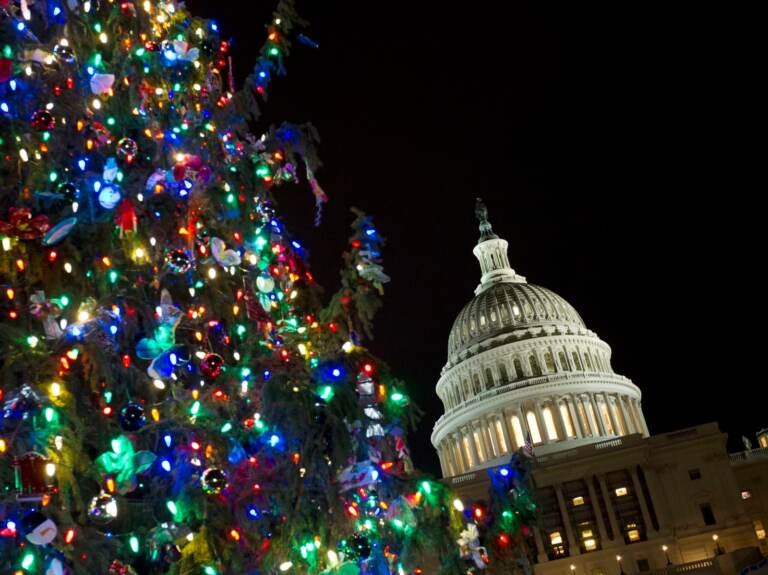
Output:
(491, 252)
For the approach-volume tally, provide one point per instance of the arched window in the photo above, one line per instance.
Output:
(549, 361)
(565, 414)
(564, 361)
(503, 374)
(576, 360)
(489, 383)
(535, 367)
(476, 383)
(533, 427)
(518, 368)
(549, 424)
(517, 430)
(587, 361)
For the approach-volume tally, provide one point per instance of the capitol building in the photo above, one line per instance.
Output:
(523, 369)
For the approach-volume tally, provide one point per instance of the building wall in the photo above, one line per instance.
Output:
(629, 496)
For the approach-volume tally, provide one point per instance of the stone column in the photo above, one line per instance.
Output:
(574, 411)
(609, 507)
(451, 448)
(486, 439)
(443, 464)
(611, 416)
(641, 499)
(641, 419)
(542, 551)
(540, 422)
(598, 511)
(598, 416)
(459, 449)
(561, 419)
(523, 424)
(628, 415)
(472, 446)
(573, 544)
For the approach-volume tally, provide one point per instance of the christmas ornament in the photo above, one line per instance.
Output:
(179, 261)
(38, 529)
(213, 480)
(109, 196)
(118, 568)
(46, 311)
(360, 546)
(124, 463)
(69, 191)
(43, 120)
(22, 403)
(22, 225)
(6, 69)
(103, 509)
(59, 232)
(132, 417)
(470, 548)
(32, 479)
(212, 365)
(224, 257)
(125, 217)
(102, 83)
(265, 283)
(64, 54)
(127, 148)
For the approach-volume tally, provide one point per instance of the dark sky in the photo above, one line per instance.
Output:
(615, 153)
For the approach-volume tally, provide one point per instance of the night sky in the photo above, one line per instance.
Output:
(612, 150)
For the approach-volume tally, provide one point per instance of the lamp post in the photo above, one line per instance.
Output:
(573, 569)
(666, 554)
(621, 567)
(718, 549)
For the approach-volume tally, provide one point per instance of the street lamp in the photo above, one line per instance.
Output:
(666, 554)
(621, 567)
(573, 569)
(718, 549)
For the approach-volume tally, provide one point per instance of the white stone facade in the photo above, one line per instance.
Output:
(522, 366)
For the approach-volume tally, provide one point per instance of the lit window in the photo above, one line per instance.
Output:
(633, 535)
(759, 529)
(555, 538)
(468, 451)
(517, 429)
(500, 435)
(565, 414)
(515, 310)
(549, 424)
(578, 501)
(586, 534)
(590, 544)
(763, 441)
(533, 426)
(479, 446)
(621, 491)
(746, 494)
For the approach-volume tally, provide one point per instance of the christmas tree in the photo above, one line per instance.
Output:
(175, 394)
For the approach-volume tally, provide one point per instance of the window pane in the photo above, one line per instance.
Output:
(533, 426)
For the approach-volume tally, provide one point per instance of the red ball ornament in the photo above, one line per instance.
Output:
(43, 120)
(212, 365)
(6, 69)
